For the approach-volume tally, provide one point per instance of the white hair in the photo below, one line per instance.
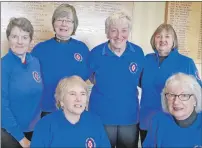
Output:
(115, 17)
(186, 81)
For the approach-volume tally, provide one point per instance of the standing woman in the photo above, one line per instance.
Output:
(61, 55)
(164, 62)
(21, 89)
(116, 66)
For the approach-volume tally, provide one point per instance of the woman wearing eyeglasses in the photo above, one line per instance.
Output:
(159, 66)
(61, 56)
(181, 123)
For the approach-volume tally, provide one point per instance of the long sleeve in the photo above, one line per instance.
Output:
(8, 119)
(104, 140)
(151, 138)
(193, 71)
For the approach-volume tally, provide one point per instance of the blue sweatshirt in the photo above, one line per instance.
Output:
(164, 132)
(59, 60)
(114, 96)
(54, 130)
(21, 93)
(154, 78)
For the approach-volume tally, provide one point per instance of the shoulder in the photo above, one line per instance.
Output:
(184, 58)
(161, 118)
(42, 45)
(136, 47)
(7, 62)
(50, 119)
(78, 43)
(93, 118)
(97, 50)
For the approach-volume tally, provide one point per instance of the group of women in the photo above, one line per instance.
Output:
(49, 82)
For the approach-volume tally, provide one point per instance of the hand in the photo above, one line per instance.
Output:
(25, 143)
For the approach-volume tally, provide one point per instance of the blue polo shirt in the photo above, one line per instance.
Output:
(114, 96)
(54, 130)
(59, 60)
(153, 80)
(164, 132)
(21, 92)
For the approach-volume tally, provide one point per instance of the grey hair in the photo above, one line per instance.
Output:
(117, 16)
(22, 23)
(188, 81)
(62, 11)
(65, 84)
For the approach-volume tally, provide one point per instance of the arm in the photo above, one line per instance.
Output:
(8, 119)
(151, 138)
(104, 140)
(193, 71)
(41, 135)
(91, 66)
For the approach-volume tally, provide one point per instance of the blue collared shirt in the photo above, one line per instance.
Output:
(114, 96)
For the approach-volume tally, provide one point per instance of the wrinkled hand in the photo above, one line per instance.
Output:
(25, 143)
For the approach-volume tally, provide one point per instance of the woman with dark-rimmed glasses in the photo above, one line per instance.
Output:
(181, 123)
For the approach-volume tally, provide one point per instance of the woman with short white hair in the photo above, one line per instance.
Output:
(181, 123)
(116, 65)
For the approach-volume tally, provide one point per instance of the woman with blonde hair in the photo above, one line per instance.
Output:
(70, 126)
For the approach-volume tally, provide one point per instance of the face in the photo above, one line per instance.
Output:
(181, 110)
(164, 42)
(64, 26)
(19, 41)
(75, 100)
(118, 34)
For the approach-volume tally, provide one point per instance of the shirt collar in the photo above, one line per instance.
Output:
(107, 51)
(28, 57)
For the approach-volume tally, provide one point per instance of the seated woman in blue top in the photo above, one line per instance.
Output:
(70, 126)
(164, 62)
(181, 123)
(116, 65)
(61, 55)
(21, 88)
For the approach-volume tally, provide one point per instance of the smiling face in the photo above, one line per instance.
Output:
(74, 102)
(164, 42)
(118, 34)
(181, 110)
(64, 25)
(19, 41)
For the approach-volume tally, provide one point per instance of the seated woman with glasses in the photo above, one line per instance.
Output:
(181, 124)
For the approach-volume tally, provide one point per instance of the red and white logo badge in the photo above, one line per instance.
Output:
(78, 57)
(90, 143)
(197, 75)
(36, 76)
(133, 67)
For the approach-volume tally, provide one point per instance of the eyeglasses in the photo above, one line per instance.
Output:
(182, 97)
(60, 21)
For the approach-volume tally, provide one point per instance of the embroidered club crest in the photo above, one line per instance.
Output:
(90, 143)
(133, 67)
(36, 76)
(78, 57)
